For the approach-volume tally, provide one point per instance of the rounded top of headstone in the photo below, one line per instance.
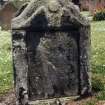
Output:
(53, 5)
(48, 13)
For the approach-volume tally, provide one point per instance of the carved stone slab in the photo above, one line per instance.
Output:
(53, 64)
(51, 44)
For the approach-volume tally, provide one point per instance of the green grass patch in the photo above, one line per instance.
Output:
(98, 55)
(98, 83)
(98, 42)
(92, 102)
(6, 74)
(101, 96)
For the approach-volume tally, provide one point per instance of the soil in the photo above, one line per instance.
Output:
(9, 99)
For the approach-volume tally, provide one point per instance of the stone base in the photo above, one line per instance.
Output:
(54, 101)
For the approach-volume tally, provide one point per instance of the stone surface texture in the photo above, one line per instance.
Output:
(51, 51)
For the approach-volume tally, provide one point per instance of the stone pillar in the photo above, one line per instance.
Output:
(51, 49)
(20, 66)
(85, 72)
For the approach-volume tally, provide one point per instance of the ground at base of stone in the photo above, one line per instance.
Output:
(9, 99)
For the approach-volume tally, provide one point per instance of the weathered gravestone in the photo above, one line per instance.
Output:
(51, 44)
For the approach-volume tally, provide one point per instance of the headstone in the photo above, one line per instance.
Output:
(6, 14)
(51, 45)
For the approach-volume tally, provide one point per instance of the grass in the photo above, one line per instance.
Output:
(91, 102)
(98, 43)
(97, 59)
(85, 13)
(6, 78)
(98, 49)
